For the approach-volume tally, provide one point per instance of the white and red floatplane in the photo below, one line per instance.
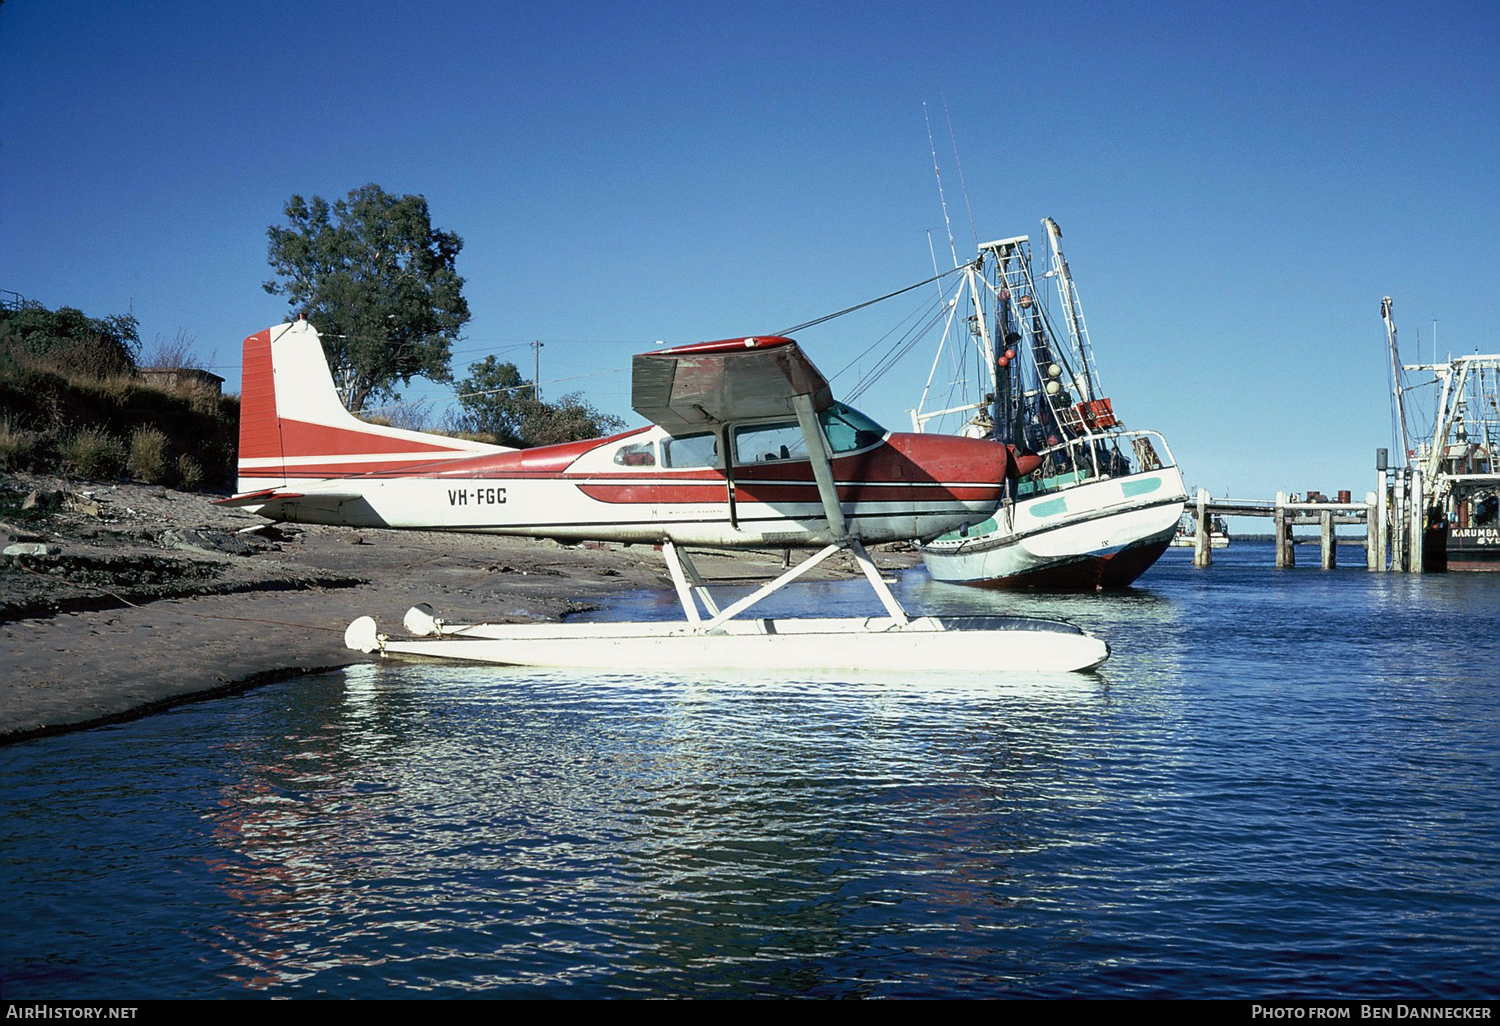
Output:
(749, 449)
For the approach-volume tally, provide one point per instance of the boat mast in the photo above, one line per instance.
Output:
(1068, 292)
(1452, 407)
(1398, 408)
(952, 248)
(971, 280)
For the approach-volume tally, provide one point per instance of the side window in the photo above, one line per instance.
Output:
(769, 443)
(691, 451)
(639, 454)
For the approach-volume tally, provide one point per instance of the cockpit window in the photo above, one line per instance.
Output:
(691, 451)
(769, 443)
(848, 429)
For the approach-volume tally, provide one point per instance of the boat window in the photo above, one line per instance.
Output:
(691, 451)
(848, 429)
(638, 454)
(769, 443)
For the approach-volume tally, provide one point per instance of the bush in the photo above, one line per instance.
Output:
(70, 342)
(148, 455)
(116, 421)
(19, 448)
(92, 454)
(175, 353)
(190, 472)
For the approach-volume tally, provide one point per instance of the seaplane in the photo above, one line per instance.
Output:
(747, 448)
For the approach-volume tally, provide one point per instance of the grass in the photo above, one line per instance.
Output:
(93, 454)
(98, 428)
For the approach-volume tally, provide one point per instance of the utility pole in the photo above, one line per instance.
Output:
(536, 371)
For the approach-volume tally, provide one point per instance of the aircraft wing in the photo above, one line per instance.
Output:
(698, 387)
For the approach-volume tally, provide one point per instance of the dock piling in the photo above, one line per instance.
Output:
(1288, 512)
(1328, 540)
(1203, 554)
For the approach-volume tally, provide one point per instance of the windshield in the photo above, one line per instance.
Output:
(848, 429)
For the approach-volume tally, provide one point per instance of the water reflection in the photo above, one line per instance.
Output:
(682, 828)
(1270, 772)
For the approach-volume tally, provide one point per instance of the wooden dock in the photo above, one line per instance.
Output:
(1393, 517)
(1286, 513)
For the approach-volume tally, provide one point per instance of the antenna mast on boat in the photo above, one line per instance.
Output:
(952, 247)
(963, 185)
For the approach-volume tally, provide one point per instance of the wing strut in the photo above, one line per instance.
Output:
(681, 567)
(822, 464)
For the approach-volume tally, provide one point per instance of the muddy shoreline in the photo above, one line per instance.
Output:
(129, 599)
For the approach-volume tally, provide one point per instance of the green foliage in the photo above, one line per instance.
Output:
(495, 399)
(189, 472)
(378, 282)
(93, 454)
(148, 455)
(498, 401)
(69, 399)
(68, 341)
(43, 411)
(19, 448)
(568, 420)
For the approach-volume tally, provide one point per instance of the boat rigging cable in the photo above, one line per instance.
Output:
(892, 355)
(880, 299)
(902, 346)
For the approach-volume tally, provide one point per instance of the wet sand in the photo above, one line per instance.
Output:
(113, 625)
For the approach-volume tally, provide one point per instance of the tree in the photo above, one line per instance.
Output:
(497, 400)
(569, 419)
(378, 282)
(70, 340)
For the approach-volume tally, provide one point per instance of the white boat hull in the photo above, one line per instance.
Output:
(1187, 541)
(1103, 534)
(924, 644)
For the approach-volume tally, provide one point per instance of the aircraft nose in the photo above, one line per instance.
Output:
(1023, 463)
(966, 462)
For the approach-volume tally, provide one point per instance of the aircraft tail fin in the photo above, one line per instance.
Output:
(294, 430)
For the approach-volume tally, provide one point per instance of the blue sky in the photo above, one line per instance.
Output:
(1238, 185)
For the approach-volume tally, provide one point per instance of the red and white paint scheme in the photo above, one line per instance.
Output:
(748, 449)
(303, 457)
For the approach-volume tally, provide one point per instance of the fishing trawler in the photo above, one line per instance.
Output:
(1104, 503)
(1455, 463)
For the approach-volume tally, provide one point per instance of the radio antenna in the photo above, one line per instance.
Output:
(952, 249)
(952, 138)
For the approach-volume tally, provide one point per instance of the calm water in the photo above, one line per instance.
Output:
(1283, 783)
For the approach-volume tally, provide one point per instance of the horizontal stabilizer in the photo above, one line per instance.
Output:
(271, 503)
(255, 498)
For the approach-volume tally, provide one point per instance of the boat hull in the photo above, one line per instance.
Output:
(1473, 549)
(1101, 535)
(879, 644)
(1188, 541)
